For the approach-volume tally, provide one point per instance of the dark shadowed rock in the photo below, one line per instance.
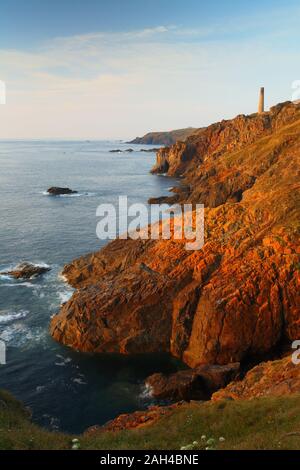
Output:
(27, 271)
(121, 151)
(56, 191)
(149, 150)
(192, 384)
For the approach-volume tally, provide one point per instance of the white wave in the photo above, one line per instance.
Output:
(45, 193)
(5, 277)
(79, 381)
(64, 360)
(7, 268)
(10, 317)
(70, 195)
(62, 277)
(65, 296)
(147, 392)
(85, 194)
(20, 335)
(21, 284)
(40, 264)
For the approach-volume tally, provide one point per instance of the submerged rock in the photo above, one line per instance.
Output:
(192, 384)
(26, 271)
(57, 191)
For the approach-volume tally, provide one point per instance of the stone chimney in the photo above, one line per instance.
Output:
(261, 103)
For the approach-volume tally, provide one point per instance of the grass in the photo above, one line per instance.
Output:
(261, 423)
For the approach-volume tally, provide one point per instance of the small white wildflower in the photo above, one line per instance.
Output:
(75, 446)
(210, 441)
(195, 443)
(222, 439)
(183, 448)
(75, 440)
(203, 437)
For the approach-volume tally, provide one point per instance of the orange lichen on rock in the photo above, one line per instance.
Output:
(137, 419)
(281, 377)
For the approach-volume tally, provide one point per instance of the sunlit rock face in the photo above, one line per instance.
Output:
(276, 378)
(236, 298)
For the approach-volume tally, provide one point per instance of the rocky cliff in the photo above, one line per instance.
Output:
(237, 299)
(272, 378)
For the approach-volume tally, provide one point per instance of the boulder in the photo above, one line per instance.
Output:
(192, 384)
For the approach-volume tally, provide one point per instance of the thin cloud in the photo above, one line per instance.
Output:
(115, 84)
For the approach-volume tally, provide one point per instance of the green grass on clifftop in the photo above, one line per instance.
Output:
(262, 423)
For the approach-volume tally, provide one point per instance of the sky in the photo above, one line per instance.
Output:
(115, 69)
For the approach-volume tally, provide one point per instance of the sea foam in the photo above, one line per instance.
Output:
(12, 316)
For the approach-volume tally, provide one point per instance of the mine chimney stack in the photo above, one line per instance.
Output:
(261, 102)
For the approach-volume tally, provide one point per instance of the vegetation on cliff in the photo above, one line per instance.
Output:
(262, 423)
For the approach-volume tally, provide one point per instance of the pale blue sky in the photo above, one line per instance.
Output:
(120, 68)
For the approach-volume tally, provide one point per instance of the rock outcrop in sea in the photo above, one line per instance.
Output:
(235, 300)
(27, 271)
(57, 191)
(192, 384)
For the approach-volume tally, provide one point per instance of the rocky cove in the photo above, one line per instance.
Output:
(234, 301)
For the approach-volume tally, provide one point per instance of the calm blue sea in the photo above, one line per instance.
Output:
(65, 390)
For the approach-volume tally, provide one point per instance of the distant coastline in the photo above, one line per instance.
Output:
(164, 138)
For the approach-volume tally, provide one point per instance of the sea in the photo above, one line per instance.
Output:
(64, 389)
